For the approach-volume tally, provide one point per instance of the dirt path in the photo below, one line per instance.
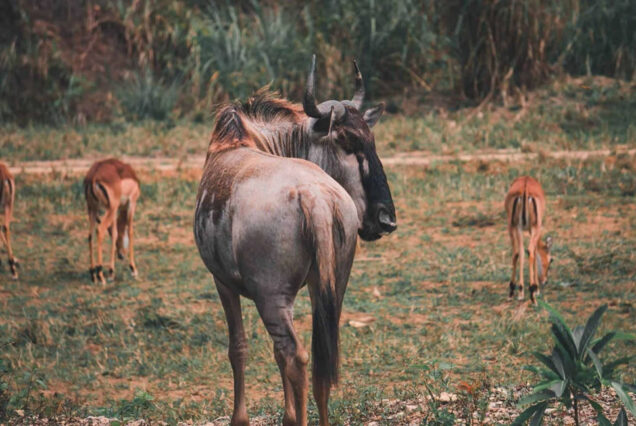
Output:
(81, 165)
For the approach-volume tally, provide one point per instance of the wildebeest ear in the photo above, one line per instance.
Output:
(372, 115)
(321, 126)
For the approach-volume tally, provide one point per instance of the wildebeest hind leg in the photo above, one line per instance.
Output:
(237, 351)
(289, 419)
(290, 353)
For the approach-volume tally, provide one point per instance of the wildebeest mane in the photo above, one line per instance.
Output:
(264, 106)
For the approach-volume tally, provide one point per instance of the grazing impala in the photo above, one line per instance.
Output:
(7, 197)
(525, 205)
(113, 186)
(285, 191)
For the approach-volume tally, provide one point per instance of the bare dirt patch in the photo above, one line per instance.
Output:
(190, 167)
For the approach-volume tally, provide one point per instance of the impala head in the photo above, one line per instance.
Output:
(340, 129)
(544, 259)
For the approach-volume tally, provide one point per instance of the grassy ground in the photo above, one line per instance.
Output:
(583, 113)
(436, 291)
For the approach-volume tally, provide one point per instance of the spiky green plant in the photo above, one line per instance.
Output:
(574, 370)
(145, 96)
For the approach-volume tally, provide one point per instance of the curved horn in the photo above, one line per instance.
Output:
(358, 97)
(309, 101)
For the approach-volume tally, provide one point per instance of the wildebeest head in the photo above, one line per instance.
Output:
(347, 132)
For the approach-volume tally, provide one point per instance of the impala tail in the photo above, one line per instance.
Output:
(323, 226)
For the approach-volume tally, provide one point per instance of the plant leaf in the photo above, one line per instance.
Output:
(602, 420)
(597, 407)
(590, 329)
(528, 412)
(543, 372)
(599, 344)
(538, 415)
(560, 329)
(626, 399)
(563, 338)
(547, 361)
(558, 363)
(546, 385)
(597, 363)
(611, 366)
(559, 387)
(577, 335)
(536, 397)
(621, 419)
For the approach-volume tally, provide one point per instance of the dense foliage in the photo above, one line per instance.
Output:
(70, 60)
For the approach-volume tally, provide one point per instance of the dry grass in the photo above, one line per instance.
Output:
(435, 291)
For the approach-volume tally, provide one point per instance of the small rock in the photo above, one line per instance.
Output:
(410, 408)
(447, 397)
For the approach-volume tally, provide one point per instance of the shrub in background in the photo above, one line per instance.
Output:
(59, 59)
(35, 81)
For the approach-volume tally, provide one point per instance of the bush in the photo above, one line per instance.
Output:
(36, 84)
(574, 370)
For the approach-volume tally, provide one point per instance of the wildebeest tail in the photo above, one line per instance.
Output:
(324, 228)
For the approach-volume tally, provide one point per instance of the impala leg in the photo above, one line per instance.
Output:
(122, 223)
(521, 256)
(131, 249)
(104, 225)
(515, 258)
(91, 232)
(113, 249)
(237, 351)
(532, 264)
(291, 355)
(6, 236)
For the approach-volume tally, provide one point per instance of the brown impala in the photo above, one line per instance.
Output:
(7, 197)
(525, 206)
(113, 186)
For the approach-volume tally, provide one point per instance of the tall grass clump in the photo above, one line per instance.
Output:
(602, 40)
(507, 44)
(395, 43)
(146, 96)
(236, 52)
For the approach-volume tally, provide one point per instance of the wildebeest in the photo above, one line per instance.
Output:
(285, 191)
(7, 198)
(525, 207)
(112, 185)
